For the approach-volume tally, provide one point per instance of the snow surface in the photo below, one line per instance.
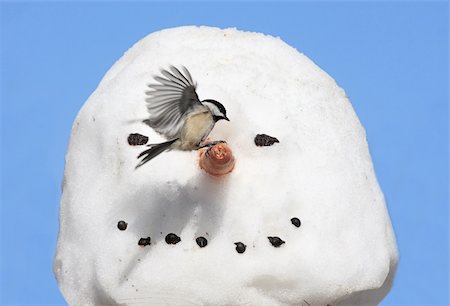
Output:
(344, 252)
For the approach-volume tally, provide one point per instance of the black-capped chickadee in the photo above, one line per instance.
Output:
(177, 113)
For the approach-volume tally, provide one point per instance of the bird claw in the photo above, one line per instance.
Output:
(211, 145)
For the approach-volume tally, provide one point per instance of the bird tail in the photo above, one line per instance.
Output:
(154, 150)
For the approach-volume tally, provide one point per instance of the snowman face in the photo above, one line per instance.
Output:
(301, 221)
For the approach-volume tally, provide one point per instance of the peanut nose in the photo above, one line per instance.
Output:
(217, 160)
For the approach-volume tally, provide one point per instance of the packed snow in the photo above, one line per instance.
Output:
(300, 222)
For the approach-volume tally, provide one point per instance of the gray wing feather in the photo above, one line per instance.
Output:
(188, 75)
(169, 83)
(179, 75)
(173, 78)
(169, 101)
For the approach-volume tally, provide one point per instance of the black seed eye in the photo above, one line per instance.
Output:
(275, 241)
(137, 139)
(240, 247)
(144, 241)
(122, 225)
(263, 140)
(296, 222)
(172, 239)
(201, 241)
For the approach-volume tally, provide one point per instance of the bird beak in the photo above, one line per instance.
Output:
(226, 118)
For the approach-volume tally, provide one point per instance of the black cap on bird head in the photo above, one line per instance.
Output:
(217, 109)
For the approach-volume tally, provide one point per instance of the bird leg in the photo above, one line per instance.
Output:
(210, 144)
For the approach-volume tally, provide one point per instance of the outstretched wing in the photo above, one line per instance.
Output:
(169, 101)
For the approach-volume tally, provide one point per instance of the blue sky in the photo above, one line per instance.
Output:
(390, 57)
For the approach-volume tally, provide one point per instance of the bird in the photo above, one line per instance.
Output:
(176, 112)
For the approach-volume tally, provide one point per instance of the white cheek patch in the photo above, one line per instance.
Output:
(214, 109)
(301, 222)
